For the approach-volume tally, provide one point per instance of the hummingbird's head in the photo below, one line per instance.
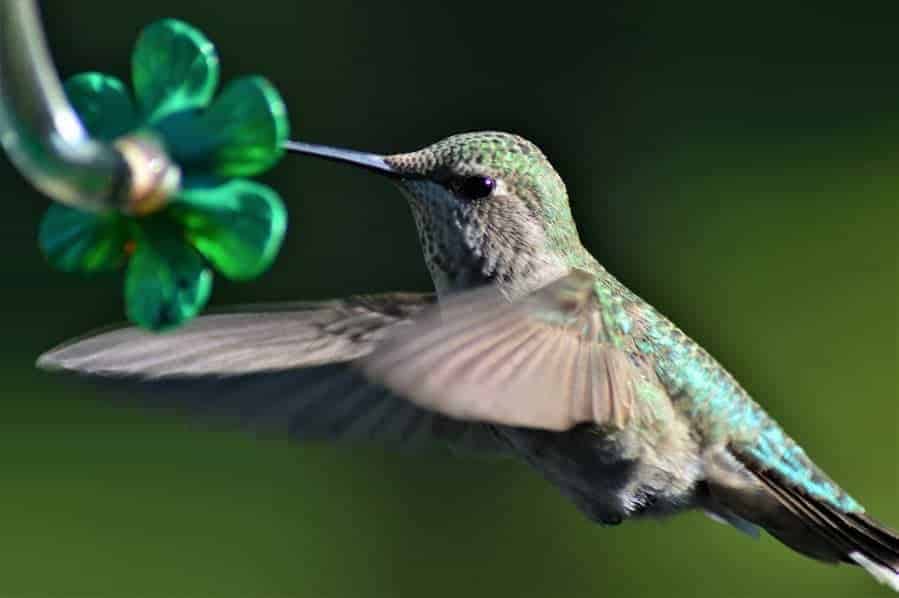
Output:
(488, 207)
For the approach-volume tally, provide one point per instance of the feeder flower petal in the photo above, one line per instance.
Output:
(174, 68)
(238, 226)
(103, 105)
(78, 241)
(167, 282)
(251, 126)
(241, 134)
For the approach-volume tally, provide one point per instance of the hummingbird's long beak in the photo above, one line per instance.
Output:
(371, 162)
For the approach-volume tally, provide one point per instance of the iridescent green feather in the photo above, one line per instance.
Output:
(711, 395)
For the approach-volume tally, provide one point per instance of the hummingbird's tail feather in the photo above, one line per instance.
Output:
(825, 532)
(808, 522)
(852, 537)
(884, 575)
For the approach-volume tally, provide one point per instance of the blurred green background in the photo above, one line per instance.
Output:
(735, 165)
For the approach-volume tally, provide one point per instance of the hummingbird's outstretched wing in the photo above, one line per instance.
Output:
(278, 367)
(547, 360)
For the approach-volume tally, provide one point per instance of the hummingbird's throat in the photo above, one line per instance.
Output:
(466, 247)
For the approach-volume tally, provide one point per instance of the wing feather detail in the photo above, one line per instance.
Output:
(541, 361)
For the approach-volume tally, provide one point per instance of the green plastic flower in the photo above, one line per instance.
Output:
(215, 218)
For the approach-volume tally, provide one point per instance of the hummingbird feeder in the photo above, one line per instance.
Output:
(156, 183)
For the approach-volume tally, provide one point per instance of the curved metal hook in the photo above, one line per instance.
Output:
(42, 133)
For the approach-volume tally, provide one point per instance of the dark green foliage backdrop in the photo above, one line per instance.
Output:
(737, 166)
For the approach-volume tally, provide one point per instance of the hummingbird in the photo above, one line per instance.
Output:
(529, 348)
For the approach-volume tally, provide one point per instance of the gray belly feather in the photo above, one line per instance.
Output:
(609, 476)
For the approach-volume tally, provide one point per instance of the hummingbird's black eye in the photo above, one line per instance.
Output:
(473, 187)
